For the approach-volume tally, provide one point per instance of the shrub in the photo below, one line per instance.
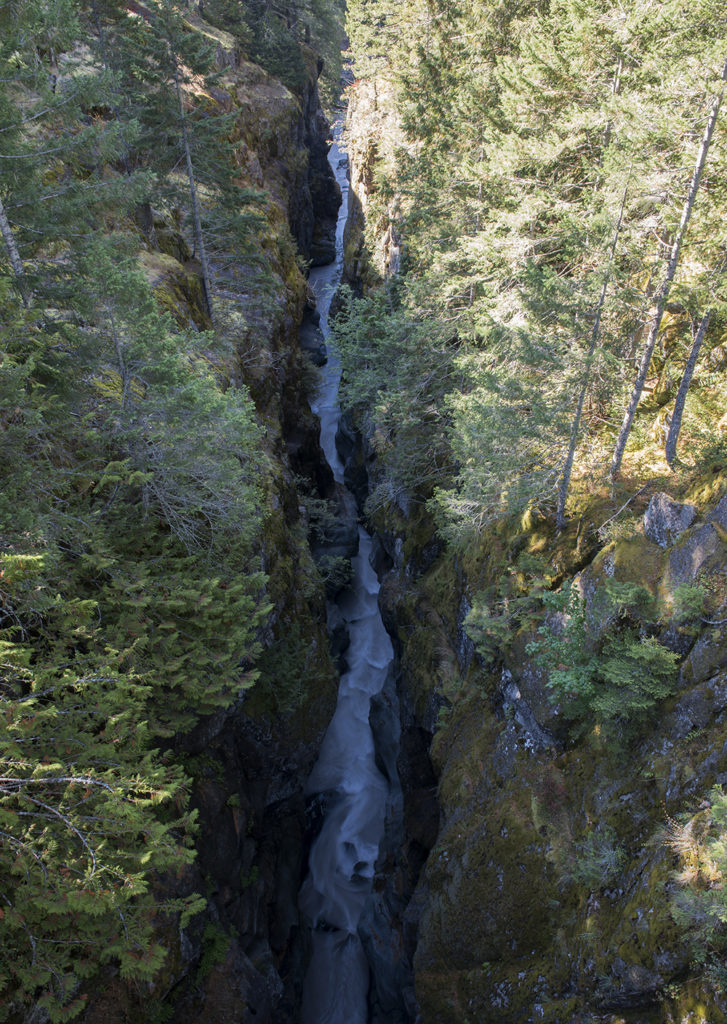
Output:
(613, 676)
(598, 859)
(689, 604)
(699, 902)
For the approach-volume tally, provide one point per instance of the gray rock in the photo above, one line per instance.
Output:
(707, 657)
(719, 513)
(701, 549)
(386, 729)
(689, 558)
(697, 708)
(340, 642)
(535, 738)
(381, 938)
(379, 559)
(665, 520)
(349, 445)
(312, 342)
(465, 646)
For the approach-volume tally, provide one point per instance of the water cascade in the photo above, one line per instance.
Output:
(343, 856)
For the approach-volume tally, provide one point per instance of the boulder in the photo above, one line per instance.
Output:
(665, 520)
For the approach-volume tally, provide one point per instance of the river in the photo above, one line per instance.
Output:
(343, 856)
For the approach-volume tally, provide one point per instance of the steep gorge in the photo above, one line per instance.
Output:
(530, 868)
(243, 956)
(530, 877)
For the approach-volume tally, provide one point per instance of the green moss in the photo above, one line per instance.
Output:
(708, 487)
(250, 877)
(215, 944)
(694, 1001)
(177, 290)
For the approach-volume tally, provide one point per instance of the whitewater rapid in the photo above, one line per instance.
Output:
(343, 856)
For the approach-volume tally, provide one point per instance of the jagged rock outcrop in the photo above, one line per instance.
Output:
(372, 111)
(665, 520)
(547, 893)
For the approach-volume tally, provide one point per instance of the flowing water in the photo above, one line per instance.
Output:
(343, 856)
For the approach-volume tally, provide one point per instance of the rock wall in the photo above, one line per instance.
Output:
(372, 248)
(243, 959)
(548, 892)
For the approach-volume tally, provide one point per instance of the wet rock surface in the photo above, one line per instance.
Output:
(311, 338)
(350, 447)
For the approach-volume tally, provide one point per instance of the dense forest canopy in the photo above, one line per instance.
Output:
(556, 176)
(534, 349)
(134, 469)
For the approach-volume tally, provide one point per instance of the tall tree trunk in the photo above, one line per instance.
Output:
(15, 262)
(477, 220)
(198, 236)
(665, 287)
(103, 48)
(615, 91)
(560, 517)
(676, 419)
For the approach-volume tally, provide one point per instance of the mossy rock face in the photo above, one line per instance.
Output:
(517, 927)
(172, 243)
(547, 895)
(492, 993)
(695, 1002)
(490, 881)
(373, 137)
(636, 560)
(491, 888)
(178, 290)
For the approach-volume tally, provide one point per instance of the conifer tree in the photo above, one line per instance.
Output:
(130, 588)
(164, 71)
(560, 517)
(519, 130)
(53, 186)
(672, 439)
(664, 289)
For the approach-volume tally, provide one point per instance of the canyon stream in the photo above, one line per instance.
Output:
(351, 788)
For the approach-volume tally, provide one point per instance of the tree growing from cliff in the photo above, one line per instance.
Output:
(162, 438)
(672, 439)
(54, 192)
(560, 516)
(614, 675)
(130, 594)
(167, 90)
(396, 376)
